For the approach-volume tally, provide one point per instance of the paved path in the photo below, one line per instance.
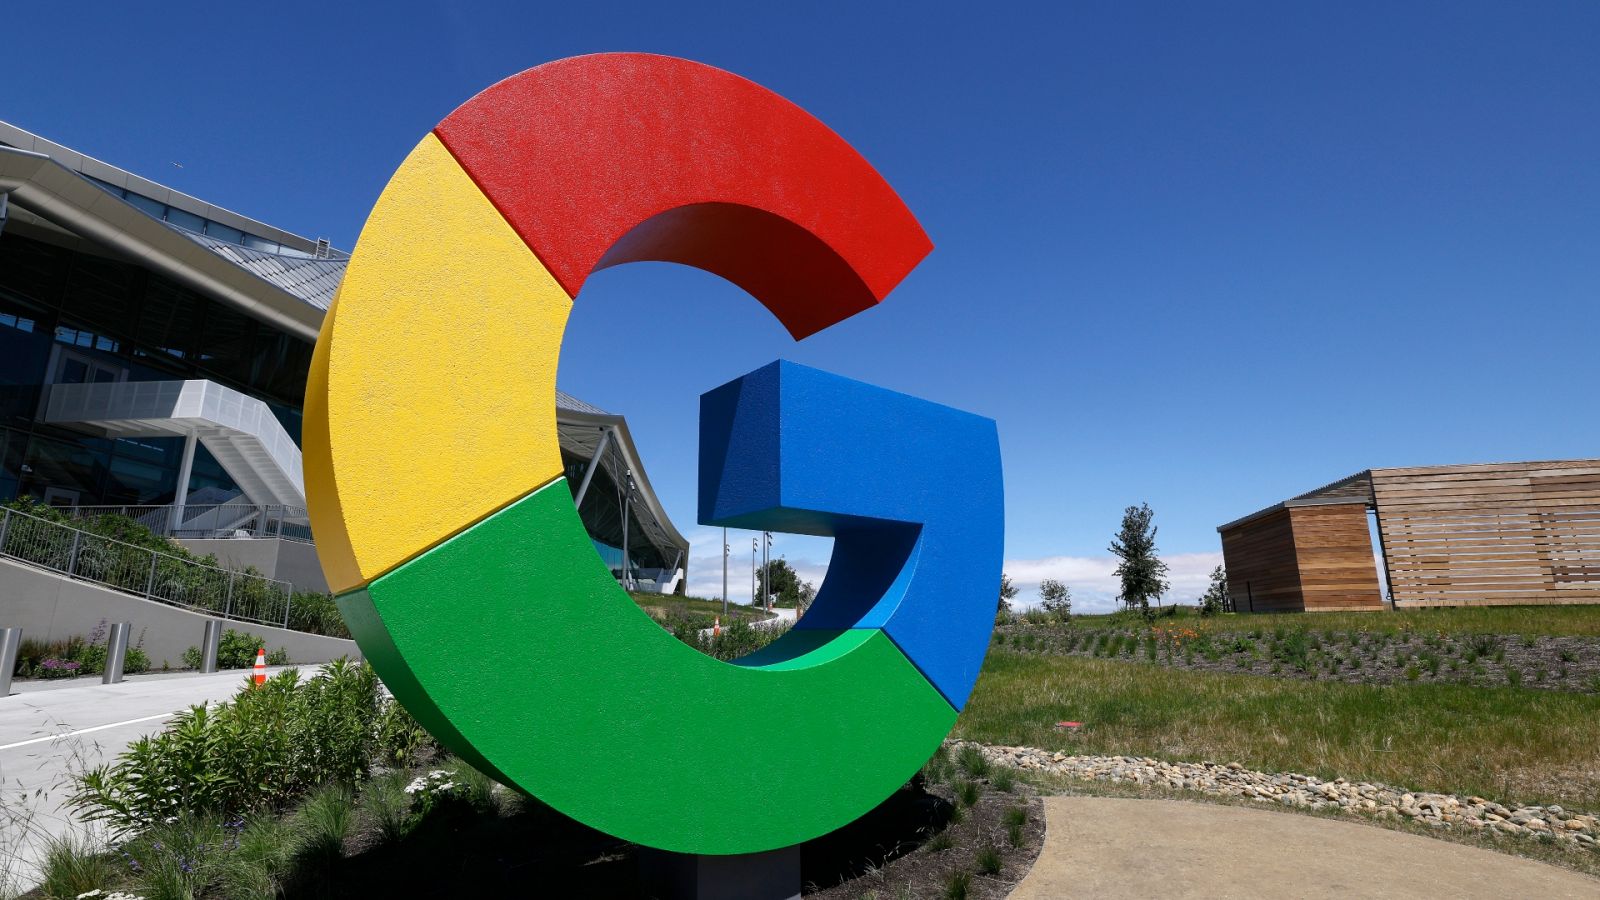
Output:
(50, 729)
(1113, 848)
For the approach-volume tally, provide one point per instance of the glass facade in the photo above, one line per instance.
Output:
(602, 516)
(72, 316)
(200, 224)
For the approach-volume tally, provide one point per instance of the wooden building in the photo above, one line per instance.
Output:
(1474, 535)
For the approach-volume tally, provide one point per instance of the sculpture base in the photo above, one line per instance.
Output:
(773, 875)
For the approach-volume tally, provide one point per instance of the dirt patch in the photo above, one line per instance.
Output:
(987, 846)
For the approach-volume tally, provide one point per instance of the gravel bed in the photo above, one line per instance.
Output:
(1444, 811)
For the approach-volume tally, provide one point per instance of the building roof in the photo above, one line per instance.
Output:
(1355, 488)
(312, 280)
(282, 278)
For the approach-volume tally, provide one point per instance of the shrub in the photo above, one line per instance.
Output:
(957, 884)
(967, 792)
(386, 804)
(1003, 780)
(1294, 650)
(316, 613)
(323, 823)
(73, 865)
(267, 747)
(1015, 818)
(937, 768)
(237, 650)
(988, 860)
(263, 853)
(972, 761)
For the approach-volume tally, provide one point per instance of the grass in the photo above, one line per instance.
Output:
(1016, 817)
(1531, 621)
(73, 865)
(988, 861)
(1523, 746)
(661, 605)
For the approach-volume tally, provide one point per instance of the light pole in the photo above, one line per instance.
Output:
(752, 571)
(726, 549)
(766, 570)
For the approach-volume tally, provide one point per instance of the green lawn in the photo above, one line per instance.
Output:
(1512, 745)
(661, 605)
(1557, 621)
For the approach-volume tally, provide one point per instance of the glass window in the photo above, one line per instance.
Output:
(161, 451)
(24, 354)
(170, 319)
(187, 220)
(58, 464)
(153, 207)
(223, 233)
(260, 243)
(100, 296)
(32, 270)
(225, 342)
(280, 365)
(134, 482)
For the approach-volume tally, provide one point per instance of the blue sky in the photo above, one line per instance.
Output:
(1204, 258)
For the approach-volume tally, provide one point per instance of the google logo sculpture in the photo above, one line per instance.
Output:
(447, 529)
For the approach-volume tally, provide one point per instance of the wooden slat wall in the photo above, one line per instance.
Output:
(1260, 559)
(1333, 549)
(1512, 533)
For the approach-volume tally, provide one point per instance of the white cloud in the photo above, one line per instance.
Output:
(1093, 580)
(705, 561)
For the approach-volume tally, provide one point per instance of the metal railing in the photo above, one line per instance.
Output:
(156, 576)
(212, 520)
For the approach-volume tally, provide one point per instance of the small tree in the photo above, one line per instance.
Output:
(1055, 598)
(1215, 599)
(1008, 592)
(786, 584)
(807, 594)
(1143, 574)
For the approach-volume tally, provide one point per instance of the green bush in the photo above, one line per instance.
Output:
(738, 638)
(267, 747)
(180, 575)
(237, 650)
(317, 614)
(74, 656)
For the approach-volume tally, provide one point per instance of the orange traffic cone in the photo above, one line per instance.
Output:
(260, 676)
(716, 626)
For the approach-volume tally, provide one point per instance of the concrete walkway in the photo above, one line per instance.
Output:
(51, 729)
(1114, 848)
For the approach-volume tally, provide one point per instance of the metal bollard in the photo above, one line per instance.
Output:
(10, 642)
(116, 652)
(208, 646)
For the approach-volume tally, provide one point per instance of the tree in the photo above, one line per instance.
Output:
(1055, 598)
(1008, 592)
(787, 588)
(1215, 599)
(807, 594)
(1143, 574)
